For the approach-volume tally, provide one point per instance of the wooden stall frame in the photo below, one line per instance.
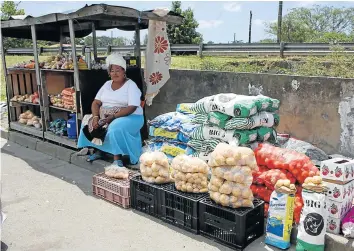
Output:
(87, 19)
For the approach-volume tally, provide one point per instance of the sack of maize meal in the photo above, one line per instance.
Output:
(264, 119)
(234, 105)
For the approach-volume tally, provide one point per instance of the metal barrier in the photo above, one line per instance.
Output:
(282, 49)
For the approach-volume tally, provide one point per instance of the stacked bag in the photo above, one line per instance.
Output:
(154, 167)
(169, 133)
(190, 174)
(235, 119)
(68, 97)
(232, 175)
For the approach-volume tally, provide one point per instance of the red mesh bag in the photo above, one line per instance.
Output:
(298, 164)
(261, 192)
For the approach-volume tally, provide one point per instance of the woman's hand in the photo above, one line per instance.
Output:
(95, 122)
(109, 119)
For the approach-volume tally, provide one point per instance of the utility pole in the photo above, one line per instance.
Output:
(112, 38)
(280, 17)
(250, 28)
(234, 38)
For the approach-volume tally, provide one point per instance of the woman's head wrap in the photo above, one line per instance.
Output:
(116, 59)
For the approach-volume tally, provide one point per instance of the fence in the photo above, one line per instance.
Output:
(282, 49)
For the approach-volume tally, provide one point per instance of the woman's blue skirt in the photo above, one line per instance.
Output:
(123, 137)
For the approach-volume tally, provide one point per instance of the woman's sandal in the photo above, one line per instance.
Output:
(94, 156)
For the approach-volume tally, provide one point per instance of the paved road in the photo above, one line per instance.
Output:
(49, 206)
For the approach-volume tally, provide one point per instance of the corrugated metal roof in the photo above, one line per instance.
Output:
(104, 16)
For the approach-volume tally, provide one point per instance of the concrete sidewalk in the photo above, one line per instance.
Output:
(49, 206)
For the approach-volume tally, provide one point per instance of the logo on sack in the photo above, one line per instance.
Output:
(313, 224)
(237, 112)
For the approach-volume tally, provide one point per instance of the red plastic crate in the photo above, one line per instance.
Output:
(113, 190)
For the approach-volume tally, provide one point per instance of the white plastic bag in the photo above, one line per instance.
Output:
(313, 222)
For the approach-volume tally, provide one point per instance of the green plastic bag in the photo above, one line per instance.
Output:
(204, 132)
(202, 105)
(234, 105)
(217, 118)
(245, 136)
(266, 134)
(200, 118)
(275, 104)
(260, 119)
(204, 145)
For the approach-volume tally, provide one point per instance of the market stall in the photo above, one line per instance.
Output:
(62, 88)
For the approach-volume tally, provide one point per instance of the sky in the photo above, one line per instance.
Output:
(218, 21)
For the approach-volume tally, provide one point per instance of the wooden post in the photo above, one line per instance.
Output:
(137, 50)
(7, 83)
(94, 41)
(78, 107)
(45, 101)
(250, 28)
(280, 17)
(38, 75)
(62, 40)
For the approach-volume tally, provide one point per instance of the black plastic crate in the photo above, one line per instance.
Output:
(235, 228)
(181, 209)
(145, 197)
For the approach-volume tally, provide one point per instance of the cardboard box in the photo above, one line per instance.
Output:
(333, 225)
(337, 169)
(337, 209)
(338, 192)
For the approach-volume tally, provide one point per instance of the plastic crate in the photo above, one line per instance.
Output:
(145, 197)
(181, 209)
(113, 190)
(235, 228)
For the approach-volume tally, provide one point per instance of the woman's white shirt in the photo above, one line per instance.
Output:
(128, 95)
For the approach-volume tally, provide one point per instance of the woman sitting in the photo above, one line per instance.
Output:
(117, 117)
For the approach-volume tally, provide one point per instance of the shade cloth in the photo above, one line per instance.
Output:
(158, 57)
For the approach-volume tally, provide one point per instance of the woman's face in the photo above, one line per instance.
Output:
(117, 73)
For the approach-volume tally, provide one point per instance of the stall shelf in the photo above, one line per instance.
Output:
(56, 27)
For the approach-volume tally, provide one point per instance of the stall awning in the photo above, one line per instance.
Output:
(49, 27)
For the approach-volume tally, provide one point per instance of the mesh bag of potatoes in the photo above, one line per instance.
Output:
(237, 174)
(231, 177)
(227, 155)
(231, 194)
(154, 167)
(190, 174)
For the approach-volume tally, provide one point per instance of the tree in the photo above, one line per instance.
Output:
(9, 8)
(104, 41)
(316, 24)
(186, 32)
(268, 40)
(210, 42)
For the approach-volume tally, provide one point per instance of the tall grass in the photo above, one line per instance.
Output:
(335, 64)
